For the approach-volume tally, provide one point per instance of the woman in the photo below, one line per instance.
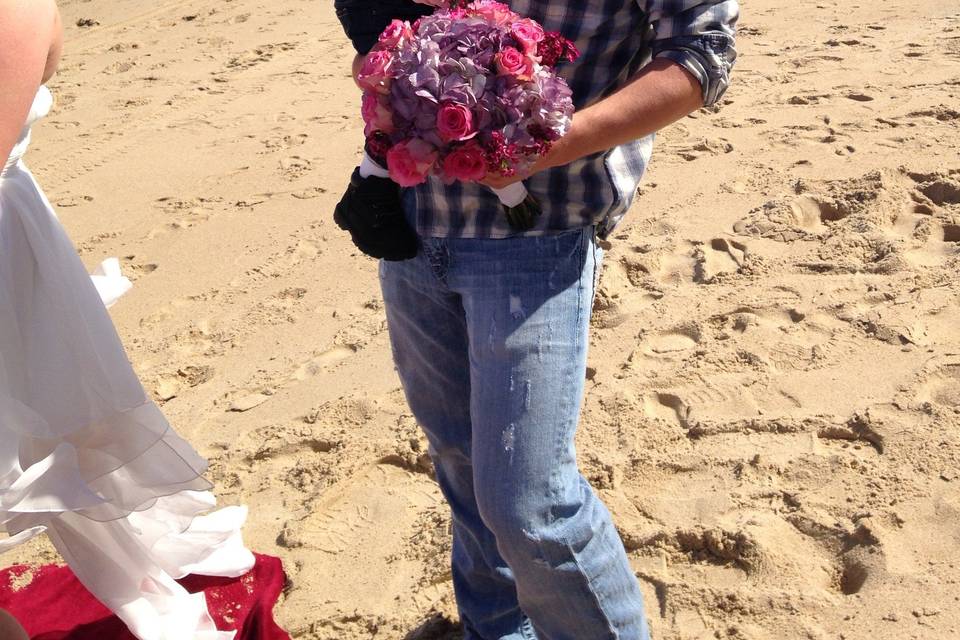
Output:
(84, 455)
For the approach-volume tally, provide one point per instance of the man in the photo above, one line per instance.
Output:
(489, 326)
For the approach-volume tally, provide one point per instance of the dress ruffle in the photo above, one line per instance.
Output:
(111, 284)
(84, 454)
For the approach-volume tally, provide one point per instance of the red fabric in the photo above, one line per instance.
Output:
(55, 606)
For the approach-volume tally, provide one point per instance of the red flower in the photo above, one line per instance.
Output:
(378, 144)
(554, 47)
(467, 163)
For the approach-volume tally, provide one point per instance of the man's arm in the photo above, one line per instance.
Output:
(693, 52)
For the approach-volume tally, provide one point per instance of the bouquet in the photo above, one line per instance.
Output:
(468, 91)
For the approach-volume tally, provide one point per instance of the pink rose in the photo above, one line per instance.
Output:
(396, 32)
(496, 12)
(410, 162)
(511, 62)
(375, 75)
(455, 122)
(467, 162)
(528, 33)
(376, 113)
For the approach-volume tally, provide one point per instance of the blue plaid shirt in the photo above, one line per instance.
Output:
(616, 38)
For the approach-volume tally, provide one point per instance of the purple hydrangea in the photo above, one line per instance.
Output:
(450, 91)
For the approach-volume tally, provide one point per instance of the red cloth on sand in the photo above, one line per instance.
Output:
(55, 606)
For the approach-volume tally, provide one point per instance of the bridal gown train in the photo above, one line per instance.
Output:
(85, 456)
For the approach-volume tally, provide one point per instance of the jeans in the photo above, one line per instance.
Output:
(489, 337)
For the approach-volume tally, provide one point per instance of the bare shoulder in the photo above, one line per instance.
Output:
(26, 26)
(20, 14)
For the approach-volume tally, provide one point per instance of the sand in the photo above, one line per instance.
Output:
(773, 399)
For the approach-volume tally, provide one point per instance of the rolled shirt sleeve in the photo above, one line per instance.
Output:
(364, 20)
(699, 36)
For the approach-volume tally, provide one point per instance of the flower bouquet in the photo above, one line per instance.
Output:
(468, 91)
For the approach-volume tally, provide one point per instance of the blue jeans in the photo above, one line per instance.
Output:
(490, 340)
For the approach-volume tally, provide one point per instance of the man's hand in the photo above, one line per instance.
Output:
(557, 156)
(497, 181)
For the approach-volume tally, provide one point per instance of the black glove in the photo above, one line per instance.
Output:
(524, 216)
(370, 210)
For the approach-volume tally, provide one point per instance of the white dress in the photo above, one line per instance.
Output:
(85, 456)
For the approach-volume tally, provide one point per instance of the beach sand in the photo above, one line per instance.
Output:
(773, 399)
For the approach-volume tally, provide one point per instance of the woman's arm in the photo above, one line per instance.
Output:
(27, 31)
(56, 46)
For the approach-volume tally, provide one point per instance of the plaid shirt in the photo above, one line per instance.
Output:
(616, 38)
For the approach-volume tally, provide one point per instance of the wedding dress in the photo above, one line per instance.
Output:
(85, 456)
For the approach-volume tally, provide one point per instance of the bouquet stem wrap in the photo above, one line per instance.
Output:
(370, 167)
(511, 195)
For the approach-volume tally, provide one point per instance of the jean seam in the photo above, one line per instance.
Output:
(581, 295)
(558, 444)
(614, 634)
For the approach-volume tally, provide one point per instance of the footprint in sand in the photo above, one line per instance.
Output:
(694, 151)
(786, 221)
(951, 233)
(323, 361)
(295, 167)
(941, 191)
(672, 342)
(169, 385)
(625, 290)
(128, 103)
(136, 270)
(942, 386)
(779, 334)
(73, 201)
(281, 142)
(820, 205)
(349, 518)
(183, 213)
(666, 407)
(941, 113)
(259, 55)
(246, 400)
(678, 266)
(939, 244)
(719, 256)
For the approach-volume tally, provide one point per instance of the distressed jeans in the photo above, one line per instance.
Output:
(490, 340)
